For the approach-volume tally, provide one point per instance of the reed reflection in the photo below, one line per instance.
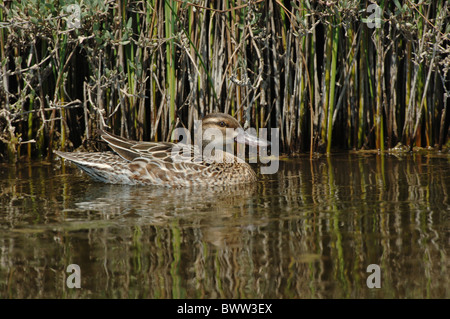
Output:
(309, 231)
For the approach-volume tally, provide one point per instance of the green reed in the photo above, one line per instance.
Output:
(335, 41)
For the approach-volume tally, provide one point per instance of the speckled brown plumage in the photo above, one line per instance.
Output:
(164, 164)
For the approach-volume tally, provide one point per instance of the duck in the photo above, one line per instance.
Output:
(173, 164)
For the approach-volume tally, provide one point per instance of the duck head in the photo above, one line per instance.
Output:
(220, 129)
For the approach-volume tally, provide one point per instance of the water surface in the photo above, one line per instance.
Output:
(309, 231)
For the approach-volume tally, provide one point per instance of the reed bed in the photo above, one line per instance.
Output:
(329, 74)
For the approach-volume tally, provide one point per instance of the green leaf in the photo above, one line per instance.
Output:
(397, 4)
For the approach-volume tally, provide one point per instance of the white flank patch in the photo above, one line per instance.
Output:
(91, 164)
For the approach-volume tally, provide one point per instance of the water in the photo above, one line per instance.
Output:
(309, 231)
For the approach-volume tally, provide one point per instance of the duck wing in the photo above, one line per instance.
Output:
(159, 151)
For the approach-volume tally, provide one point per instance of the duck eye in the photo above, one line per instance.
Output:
(222, 124)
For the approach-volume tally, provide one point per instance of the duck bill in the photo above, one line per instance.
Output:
(245, 137)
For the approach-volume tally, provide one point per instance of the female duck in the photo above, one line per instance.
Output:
(168, 164)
